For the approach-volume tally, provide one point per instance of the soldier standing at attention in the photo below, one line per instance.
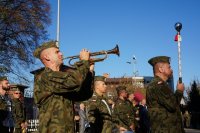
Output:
(56, 87)
(6, 121)
(99, 113)
(162, 103)
(18, 111)
(4, 112)
(123, 112)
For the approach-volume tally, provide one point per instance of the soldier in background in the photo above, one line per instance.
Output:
(123, 112)
(162, 103)
(4, 86)
(187, 119)
(99, 113)
(18, 111)
(57, 87)
(6, 120)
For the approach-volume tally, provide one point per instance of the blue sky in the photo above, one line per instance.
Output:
(144, 28)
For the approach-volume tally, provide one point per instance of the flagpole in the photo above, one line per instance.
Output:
(58, 25)
(179, 62)
(178, 27)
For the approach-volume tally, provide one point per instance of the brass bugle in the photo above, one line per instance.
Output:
(92, 60)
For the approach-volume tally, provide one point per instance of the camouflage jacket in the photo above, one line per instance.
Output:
(99, 115)
(123, 113)
(3, 110)
(18, 112)
(163, 107)
(54, 93)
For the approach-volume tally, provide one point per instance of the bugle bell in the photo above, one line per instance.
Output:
(92, 60)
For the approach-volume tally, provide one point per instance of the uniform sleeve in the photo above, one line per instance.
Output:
(3, 111)
(70, 81)
(2, 105)
(179, 96)
(85, 91)
(166, 98)
(48, 82)
(92, 112)
(18, 113)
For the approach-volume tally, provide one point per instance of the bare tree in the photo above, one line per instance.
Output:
(22, 26)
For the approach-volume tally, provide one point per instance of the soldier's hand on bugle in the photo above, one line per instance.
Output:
(180, 86)
(24, 125)
(84, 54)
(132, 127)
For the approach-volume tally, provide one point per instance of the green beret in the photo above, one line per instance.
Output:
(120, 88)
(15, 89)
(99, 78)
(3, 78)
(158, 59)
(44, 46)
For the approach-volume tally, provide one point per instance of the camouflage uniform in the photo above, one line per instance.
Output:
(99, 115)
(18, 114)
(3, 105)
(3, 110)
(163, 107)
(54, 93)
(123, 113)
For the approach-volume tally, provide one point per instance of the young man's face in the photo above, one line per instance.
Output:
(101, 86)
(52, 55)
(5, 84)
(124, 94)
(55, 55)
(131, 96)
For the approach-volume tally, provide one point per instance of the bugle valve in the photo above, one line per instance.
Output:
(92, 60)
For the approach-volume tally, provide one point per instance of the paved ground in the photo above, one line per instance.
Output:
(188, 130)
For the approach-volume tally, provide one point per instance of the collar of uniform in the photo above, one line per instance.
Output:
(121, 100)
(15, 99)
(159, 80)
(99, 96)
(48, 69)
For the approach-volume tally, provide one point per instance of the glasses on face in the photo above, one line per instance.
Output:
(17, 93)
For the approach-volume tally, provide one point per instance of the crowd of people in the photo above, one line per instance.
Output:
(57, 87)
(12, 115)
(128, 113)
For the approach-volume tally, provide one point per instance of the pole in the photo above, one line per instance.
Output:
(178, 27)
(58, 25)
(179, 62)
(134, 69)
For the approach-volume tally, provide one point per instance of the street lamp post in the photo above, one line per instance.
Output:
(135, 72)
(134, 64)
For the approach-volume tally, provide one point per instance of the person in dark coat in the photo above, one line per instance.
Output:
(83, 118)
(144, 124)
